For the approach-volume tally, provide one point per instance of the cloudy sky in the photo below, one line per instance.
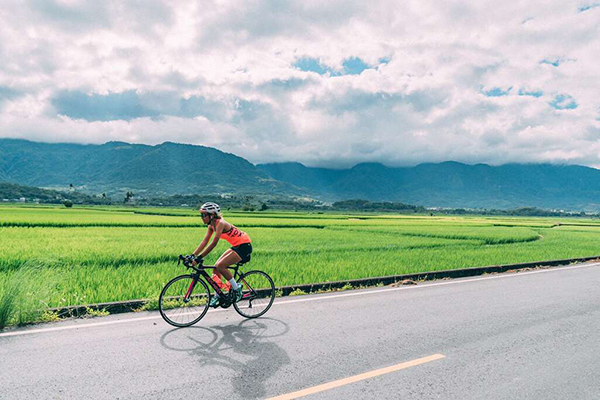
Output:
(326, 83)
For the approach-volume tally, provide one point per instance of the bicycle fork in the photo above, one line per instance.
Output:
(186, 298)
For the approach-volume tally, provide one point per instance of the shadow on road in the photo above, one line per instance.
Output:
(247, 349)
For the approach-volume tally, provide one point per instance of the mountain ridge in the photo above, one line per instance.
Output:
(114, 167)
(455, 184)
(176, 168)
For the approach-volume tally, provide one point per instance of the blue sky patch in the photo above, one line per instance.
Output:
(588, 7)
(310, 64)
(553, 61)
(564, 102)
(385, 60)
(351, 66)
(354, 66)
(533, 93)
(496, 92)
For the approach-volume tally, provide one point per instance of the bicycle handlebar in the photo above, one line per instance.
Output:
(187, 261)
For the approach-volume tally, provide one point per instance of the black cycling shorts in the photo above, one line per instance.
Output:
(243, 250)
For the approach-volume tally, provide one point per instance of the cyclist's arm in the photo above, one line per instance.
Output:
(204, 241)
(214, 242)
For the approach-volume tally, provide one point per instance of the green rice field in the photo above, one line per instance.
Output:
(92, 255)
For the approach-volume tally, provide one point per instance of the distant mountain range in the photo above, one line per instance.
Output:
(453, 184)
(171, 168)
(116, 167)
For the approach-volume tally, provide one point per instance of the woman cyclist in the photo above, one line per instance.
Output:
(239, 240)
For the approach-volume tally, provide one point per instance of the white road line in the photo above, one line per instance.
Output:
(317, 298)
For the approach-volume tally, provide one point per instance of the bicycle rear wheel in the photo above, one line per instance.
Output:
(258, 294)
(183, 303)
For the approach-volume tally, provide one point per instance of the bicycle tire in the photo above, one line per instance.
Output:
(258, 293)
(175, 310)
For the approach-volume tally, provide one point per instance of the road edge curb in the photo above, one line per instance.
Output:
(119, 307)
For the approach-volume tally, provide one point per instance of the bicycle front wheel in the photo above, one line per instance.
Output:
(258, 294)
(184, 300)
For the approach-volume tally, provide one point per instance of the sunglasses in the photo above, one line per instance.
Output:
(203, 215)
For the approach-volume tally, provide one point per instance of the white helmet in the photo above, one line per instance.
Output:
(210, 208)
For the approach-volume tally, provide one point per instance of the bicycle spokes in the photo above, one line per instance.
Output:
(258, 294)
(184, 300)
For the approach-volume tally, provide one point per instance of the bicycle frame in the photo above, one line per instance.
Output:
(257, 287)
(201, 272)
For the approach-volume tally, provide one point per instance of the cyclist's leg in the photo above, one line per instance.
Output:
(216, 272)
(221, 270)
(228, 258)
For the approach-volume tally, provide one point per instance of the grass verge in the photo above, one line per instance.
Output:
(23, 297)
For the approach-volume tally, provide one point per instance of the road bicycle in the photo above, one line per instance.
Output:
(185, 299)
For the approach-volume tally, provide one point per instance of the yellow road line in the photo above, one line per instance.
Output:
(357, 378)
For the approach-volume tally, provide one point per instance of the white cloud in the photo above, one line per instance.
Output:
(223, 74)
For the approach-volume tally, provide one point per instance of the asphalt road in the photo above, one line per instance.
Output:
(532, 335)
